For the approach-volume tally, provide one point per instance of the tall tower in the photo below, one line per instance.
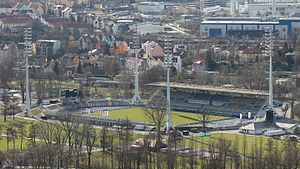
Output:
(269, 52)
(168, 50)
(28, 53)
(271, 113)
(136, 46)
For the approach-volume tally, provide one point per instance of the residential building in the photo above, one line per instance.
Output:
(66, 13)
(250, 54)
(6, 9)
(198, 66)
(13, 21)
(175, 62)
(47, 48)
(130, 63)
(3, 50)
(153, 50)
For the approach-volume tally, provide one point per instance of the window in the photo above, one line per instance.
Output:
(283, 30)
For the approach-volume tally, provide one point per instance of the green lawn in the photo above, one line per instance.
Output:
(17, 123)
(34, 112)
(3, 144)
(236, 140)
(138, 114)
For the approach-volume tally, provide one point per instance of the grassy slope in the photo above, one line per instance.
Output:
(34, 112)
(236, 140)
(3, 144)
(16, 124)
(138, 114)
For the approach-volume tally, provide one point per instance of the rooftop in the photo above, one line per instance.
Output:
(239, 22)
(211, 88)
(53, 41)
(5, 6)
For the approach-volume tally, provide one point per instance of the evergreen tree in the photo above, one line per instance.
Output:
(210, 63)
(79, 68)
(106, 49)
(56, 68)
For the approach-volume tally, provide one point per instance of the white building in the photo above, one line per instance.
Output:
(175, 62)
(57, 10)
(47, 48)
(66, 13)
(97, 23)
(5, 9)
(151, 7)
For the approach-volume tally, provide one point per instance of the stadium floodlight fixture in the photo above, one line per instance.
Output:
(136, 46)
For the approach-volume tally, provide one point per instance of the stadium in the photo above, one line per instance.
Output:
(230, 102)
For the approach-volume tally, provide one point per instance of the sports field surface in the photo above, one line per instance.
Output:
(139, 115)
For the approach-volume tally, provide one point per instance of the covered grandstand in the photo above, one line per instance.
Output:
(229, 102)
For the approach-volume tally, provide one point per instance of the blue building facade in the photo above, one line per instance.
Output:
(222, 27)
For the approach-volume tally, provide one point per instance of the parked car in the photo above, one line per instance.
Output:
(139, 127)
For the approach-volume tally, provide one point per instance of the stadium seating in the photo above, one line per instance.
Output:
(211, 103)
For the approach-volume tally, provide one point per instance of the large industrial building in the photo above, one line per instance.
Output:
(253, 26)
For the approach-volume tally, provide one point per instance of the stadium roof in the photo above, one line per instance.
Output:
(239, 22)
(211, 88)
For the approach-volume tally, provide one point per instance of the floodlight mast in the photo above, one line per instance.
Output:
(136, 46)
(269, 51)
(271, 112)
(28, 53)
(168, 51)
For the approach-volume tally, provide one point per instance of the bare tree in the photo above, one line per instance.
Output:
(21, 84)
(70, 125)
(252, 76)
(104, 141)
(21, 135)
(40, 85)
(90, 141)
(203, 119)
(45, 131)
(79, 137)
(156, 113)
(7, 65)
(88, 76)
(9, 136)
(5, 101)
(13, 106)
(32, 133)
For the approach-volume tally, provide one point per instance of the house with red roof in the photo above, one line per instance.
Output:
(157, 52)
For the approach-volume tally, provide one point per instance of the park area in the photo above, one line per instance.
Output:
(139, 115)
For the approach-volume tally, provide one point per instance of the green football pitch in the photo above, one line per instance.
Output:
(139, 115)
